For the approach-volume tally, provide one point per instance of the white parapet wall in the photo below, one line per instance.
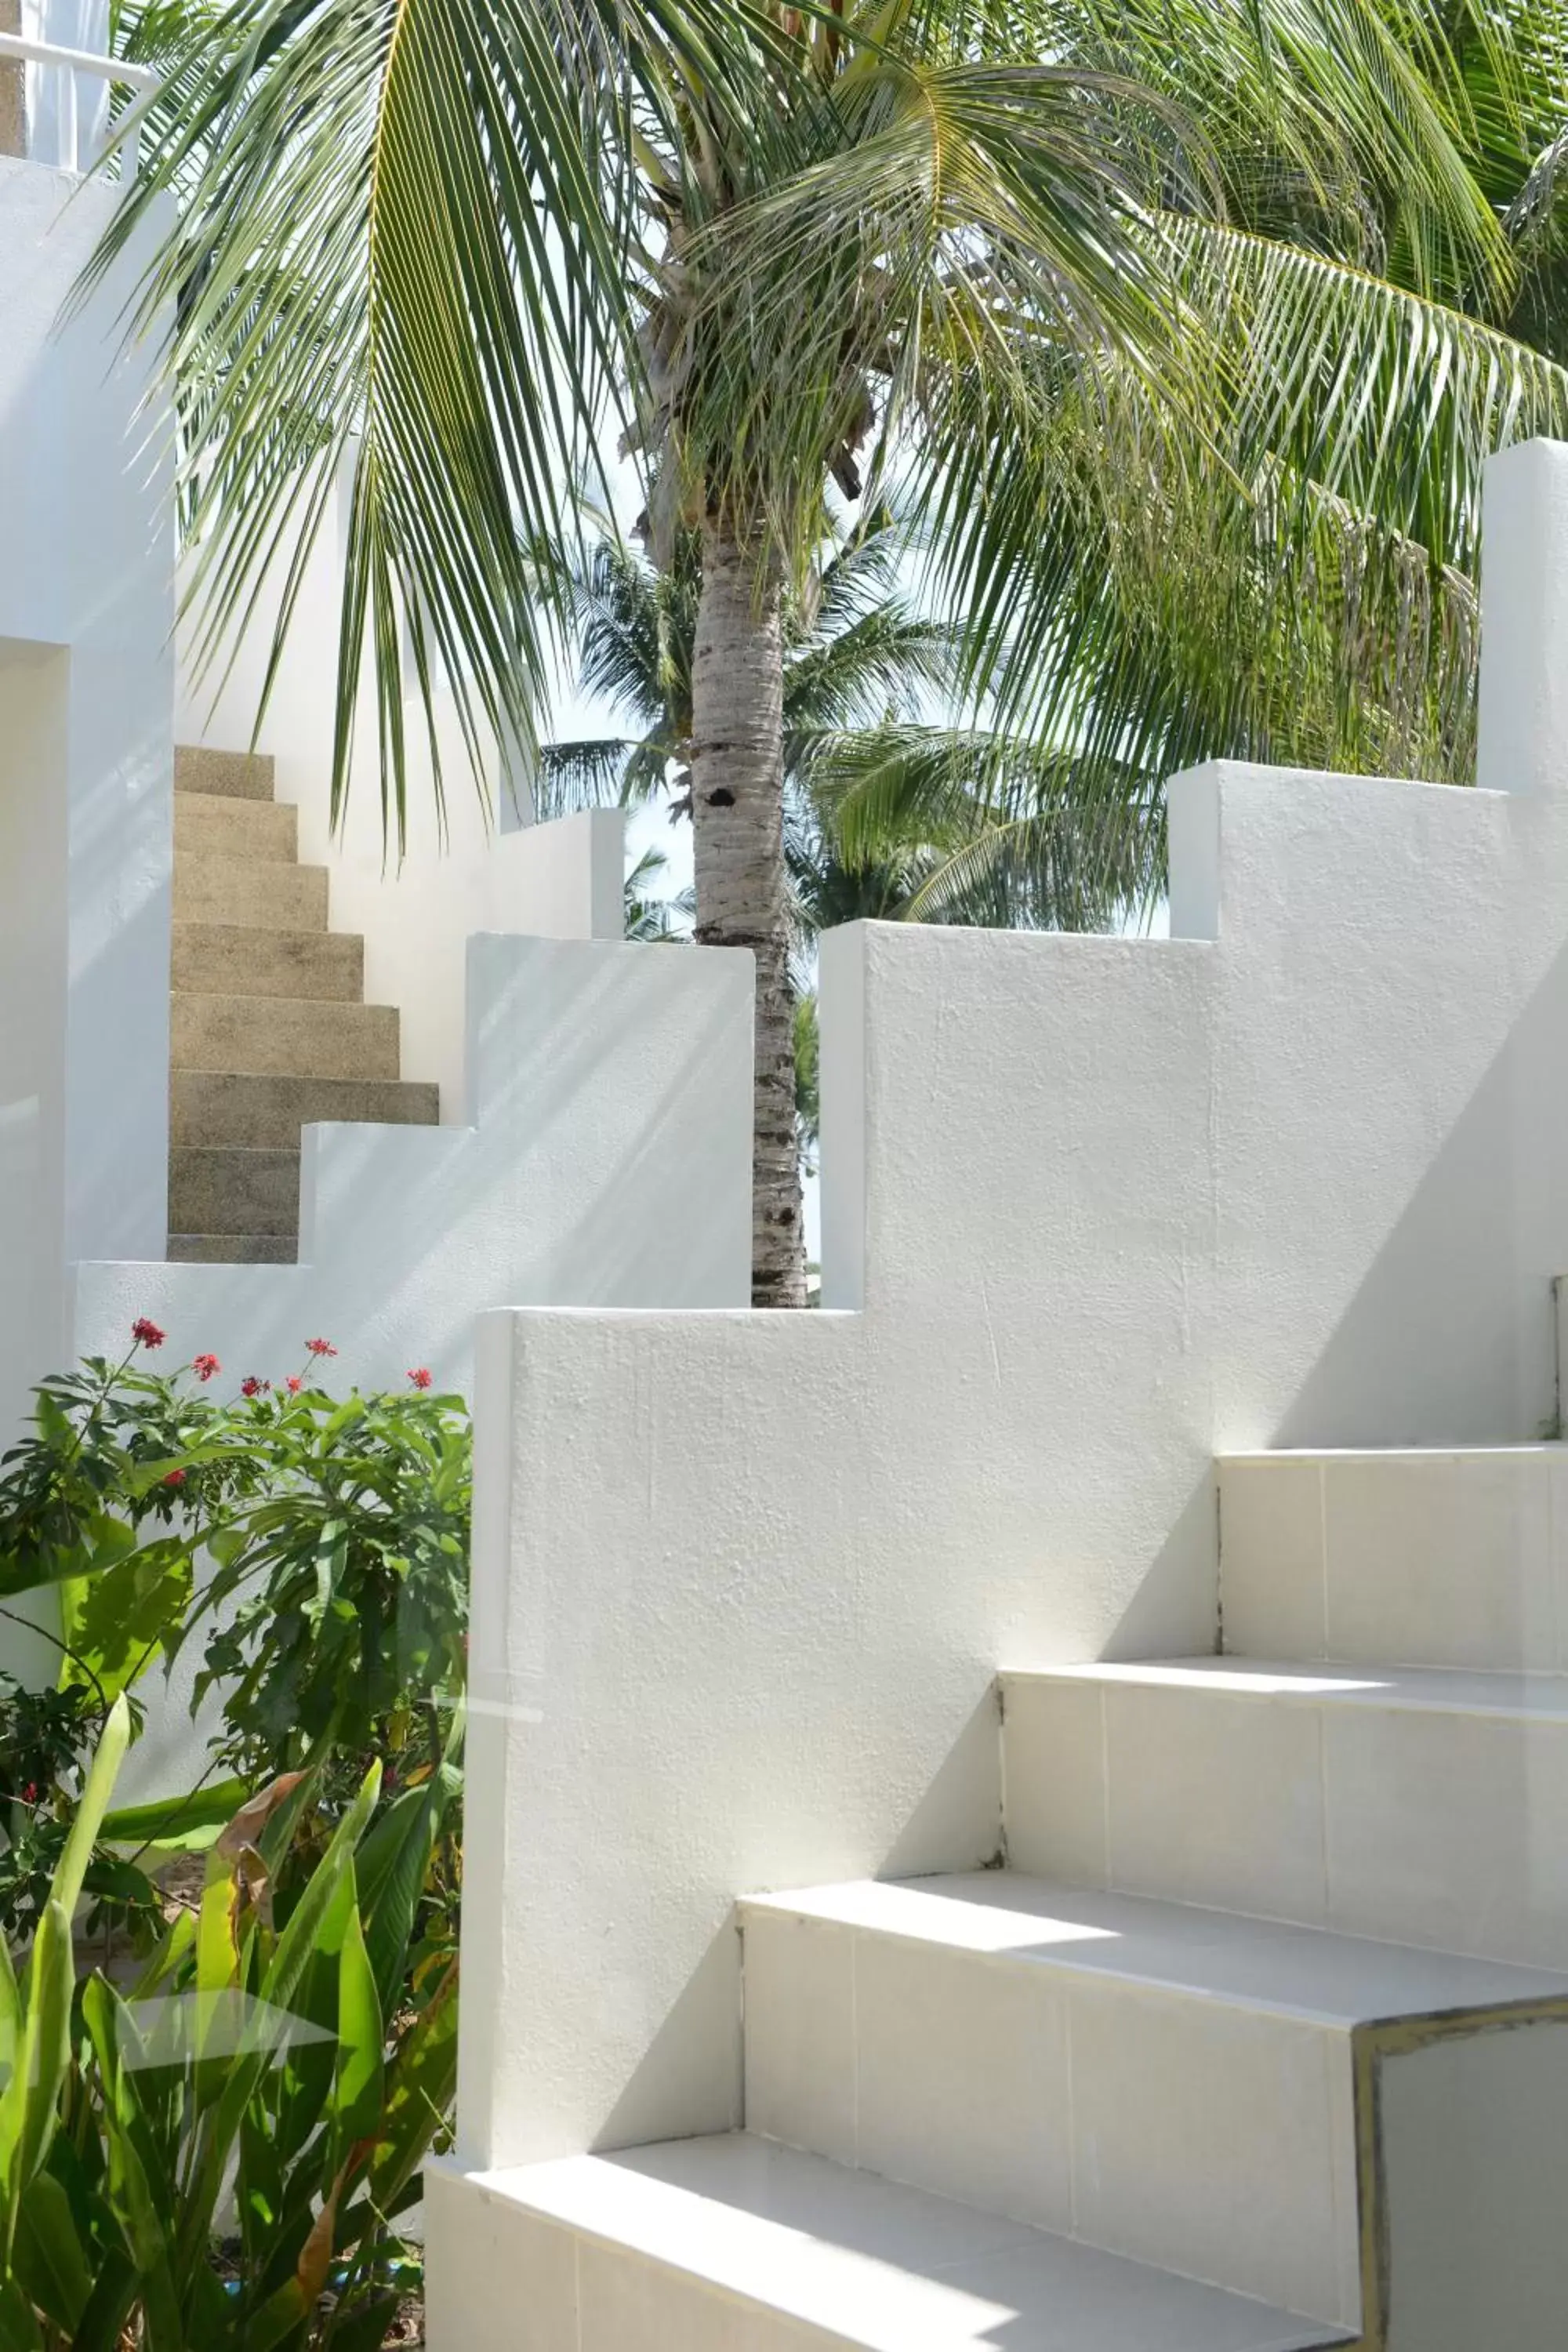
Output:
(1094, 1211)
(607, 1162)
(85, 696)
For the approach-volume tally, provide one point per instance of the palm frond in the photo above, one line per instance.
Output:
(568, 776)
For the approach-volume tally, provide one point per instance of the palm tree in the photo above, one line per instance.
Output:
(841, 241)
(886, 816)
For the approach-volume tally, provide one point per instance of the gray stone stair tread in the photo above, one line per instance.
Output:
(247, 959)
(254, 893)
(233, 1249)
(215, 824)
(214, 1107)
(234, 1188)
(283, 1036)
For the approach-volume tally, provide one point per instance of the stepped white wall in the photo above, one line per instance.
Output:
(1097, 1210)
(607, 1163)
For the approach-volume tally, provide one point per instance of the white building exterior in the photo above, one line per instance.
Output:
(824, 1603)
(1029, 1808)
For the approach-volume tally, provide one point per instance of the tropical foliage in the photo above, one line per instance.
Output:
(1092, 280)
(889, 814)
(270, 2050)
(285, 2032)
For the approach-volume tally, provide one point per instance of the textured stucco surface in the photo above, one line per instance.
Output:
(1094, 1211)
(86, 679)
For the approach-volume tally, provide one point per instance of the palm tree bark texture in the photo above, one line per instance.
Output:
(737, 814)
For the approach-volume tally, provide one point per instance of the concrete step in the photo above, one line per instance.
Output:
(1439, 1559)
(233, 1249)
(208, 825)
(283, 1036)
(249, 891)
(236, 775)
(234, 1188)
(212, 1108)
(1423, 1806)
(239, 960)
(1174, 2084)
(731, 2245)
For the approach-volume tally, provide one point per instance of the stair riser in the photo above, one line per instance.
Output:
(227, 1108)
(233, 775)
(1438, 1827)
(1210, 2137)
(284, 1037)
(1443, 1560)
(232, 1249)
(209, 826)
(236, 959)
(249, 891)
(230, 1190)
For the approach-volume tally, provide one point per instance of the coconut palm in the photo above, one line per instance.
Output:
(1196, 611)
(975, 244)
(886, 816)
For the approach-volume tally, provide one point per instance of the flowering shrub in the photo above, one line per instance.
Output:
(334, 1613)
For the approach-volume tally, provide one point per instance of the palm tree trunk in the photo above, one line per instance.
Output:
(737, 811)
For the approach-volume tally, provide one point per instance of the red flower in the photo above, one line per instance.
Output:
(251, 1387)
(30, 1794)
(146, 1334)
(176, 1478)
(204, 1367)
(421, 1379)
(320, 1347)
(294, 1384)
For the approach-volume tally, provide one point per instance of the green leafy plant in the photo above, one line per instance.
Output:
(271, 2047)
(339, 1605)
(333, 1609)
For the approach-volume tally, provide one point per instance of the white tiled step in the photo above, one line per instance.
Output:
(1163, 2082)
(1443, 1559)
(1420, 1806)
(731, 2245)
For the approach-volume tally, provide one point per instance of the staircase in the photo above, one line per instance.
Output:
(1259, 2041)
(269, 1028)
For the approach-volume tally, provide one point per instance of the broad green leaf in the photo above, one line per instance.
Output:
(421, 2083)
(218, 1956)
(87, 1822)
(102, 2324)
(19, 2329)
(116, 1621)
(147, 2225)
(357, 2098)
(51, 2253)
(28, 2104)
(167, 1821)
(365, 2330)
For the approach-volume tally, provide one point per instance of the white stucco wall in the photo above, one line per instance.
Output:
(1094, 1210)
(607, 1164)
(86, 697)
